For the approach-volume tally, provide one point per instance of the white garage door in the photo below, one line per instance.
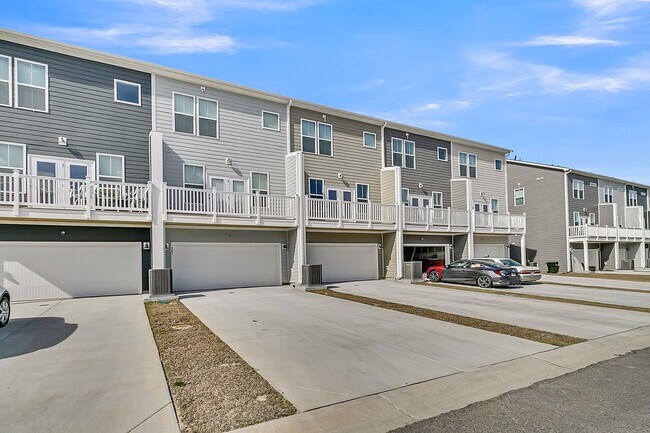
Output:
(345, 262)
(205, 265)
(489, 250)
(47, 270)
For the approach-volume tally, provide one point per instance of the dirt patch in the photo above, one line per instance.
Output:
(620, 277)
(213, 389)
(539, 297)
(486, 325)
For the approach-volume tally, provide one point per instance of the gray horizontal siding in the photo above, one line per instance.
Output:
(240, 137)
(590, 201)
(82, 109)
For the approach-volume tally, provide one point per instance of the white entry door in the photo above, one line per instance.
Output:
(52, 186)
(345, 262)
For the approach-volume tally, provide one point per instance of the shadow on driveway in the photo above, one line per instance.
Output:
(34, 334)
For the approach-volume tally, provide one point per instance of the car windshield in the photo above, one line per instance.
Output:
(510, 262)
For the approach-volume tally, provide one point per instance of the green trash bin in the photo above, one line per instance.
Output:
(553, 267)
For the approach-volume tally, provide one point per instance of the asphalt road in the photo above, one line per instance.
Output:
(613, 396)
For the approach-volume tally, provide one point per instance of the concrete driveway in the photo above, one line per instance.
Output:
(318, 350)
(82, 365)
(568, 319)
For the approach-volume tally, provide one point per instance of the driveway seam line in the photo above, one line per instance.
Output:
(27, 324)
(149, 417)
(397, 408)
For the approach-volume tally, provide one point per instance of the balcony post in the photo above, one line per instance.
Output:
(214, 205)
(16, 191)
(523, 250)
(448, 219)
(149, 187)
(617, 255)
(427, 212)
(339, 207)
(259, 208)
(369, 204)
(164, 201)
(585, 251)
(491, 222)
(510, 226)
(89, 196)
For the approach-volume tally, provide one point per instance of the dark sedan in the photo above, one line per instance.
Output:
(481, 273)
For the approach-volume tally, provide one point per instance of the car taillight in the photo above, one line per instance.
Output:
(497, 271)
(524, 272)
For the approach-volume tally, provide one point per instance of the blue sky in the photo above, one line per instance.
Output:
(562, 82)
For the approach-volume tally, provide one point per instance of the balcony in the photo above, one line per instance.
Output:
(209, 206)
(503, 223)
(607, 234)
(435, 220)
(23, 196)
(350, 214)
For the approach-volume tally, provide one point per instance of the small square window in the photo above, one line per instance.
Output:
(259, 183)
(494, 205)
(369, 140)
(520, 198)
(498, 165)
(126, 92)
(362, 192)
(193, 176)
(405, 195)
(270, 121)
(437, 200)
(442, 154)
(316, 188)
(110, 168)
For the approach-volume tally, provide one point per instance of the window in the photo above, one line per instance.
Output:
(362, 192)
(467, 164)
(494, 205)
(498, 165)
(259, 183)
(270, 120)
(193, 176)
(520, 197)
(576, 218)
(31, 85)
(111, 168)
(405, 195)
(592, 219)
(208, 111)
(183, 113)
(5, 81)
(315, 188)
(481, 207)
(403, 153)
(443, 154)
(608, 194)
(437, 199)
(12, 156)
(125, 92)
(369, 140)
(322, 146)
(308, 136)
(420, 201)
(324, 139)
(578, 189)
(633, 198)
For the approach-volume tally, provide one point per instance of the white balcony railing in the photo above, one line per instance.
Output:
(350, 211)
(499, 222)
(594, 232)
(19, 190)
(436, 218)
(229, 204)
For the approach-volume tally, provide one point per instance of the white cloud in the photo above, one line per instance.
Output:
(610, 7)
(566, 40)
(428, 107)
(460, 104)
(169, 44)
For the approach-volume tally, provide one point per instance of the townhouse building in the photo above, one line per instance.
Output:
(584, 221)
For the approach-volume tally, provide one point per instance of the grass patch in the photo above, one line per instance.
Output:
(539, 297)
(612, 276)
(486, 325)
(213, 389)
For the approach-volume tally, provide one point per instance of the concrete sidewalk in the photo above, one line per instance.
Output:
(595, 282)
(397, 408)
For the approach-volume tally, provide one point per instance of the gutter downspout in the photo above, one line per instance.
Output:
(289, 104)
(383, 146)
(566, 216)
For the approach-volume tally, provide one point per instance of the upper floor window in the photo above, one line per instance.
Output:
(126, 92)
(608, 194)
(183, 113)
(31, 86)
(405, 195)
(520, 197)
(12, 156)
(436, 200)
(320, 144)
(467, 164)
(498, 165)
(362, 192)
(259, 183)
(403, 153)
(494, 205)
(193, 176)
(370, 140)
(315, 188)
(270, 120)
(443, 154)
(5, 81)
(208, 110)
(633, 198)
(110, 168)
(578, 189)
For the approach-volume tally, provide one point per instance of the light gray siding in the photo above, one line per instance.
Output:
(590, 202)
(618, 191)
(459, 190)
(388, 187)
(240, 137)
(82, 109)
(357, 164)
(545, 212)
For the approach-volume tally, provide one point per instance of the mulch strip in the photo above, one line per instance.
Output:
(539, 297)
(486, 325)
(213, 389)
(620, 277)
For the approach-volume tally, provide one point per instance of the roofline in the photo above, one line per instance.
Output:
(163, 71)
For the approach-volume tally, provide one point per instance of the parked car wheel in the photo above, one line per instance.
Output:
(5, 311)
(484, 282)
(433, 276)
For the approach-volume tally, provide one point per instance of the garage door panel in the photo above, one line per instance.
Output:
(345, 262)
(49, 270)
(489, 250)
(199, 266)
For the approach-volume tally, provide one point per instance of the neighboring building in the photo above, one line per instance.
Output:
(581, 220)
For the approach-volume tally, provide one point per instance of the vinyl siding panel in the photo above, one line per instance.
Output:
(619, 195)
(240, 137)
(388, 187)
(390, 254)
(545, 212)
(459, 189)
(590, 201)
(429, 171)
(357, 163)
(291, 174)
(82, 109)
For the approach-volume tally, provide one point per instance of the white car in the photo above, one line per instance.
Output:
(528, 273)
(5, 307)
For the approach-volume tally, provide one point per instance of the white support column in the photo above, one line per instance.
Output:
(585, 251)
(470, 234)
(157, 202)
(399, 240)
(617, 255)
(523, 249)
(301, 215)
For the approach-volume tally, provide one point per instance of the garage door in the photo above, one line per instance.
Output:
(489, 250)
(46, 270)
(205, 265)
(345, 262)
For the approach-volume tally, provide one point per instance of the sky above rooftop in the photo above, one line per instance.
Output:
(560, 82)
